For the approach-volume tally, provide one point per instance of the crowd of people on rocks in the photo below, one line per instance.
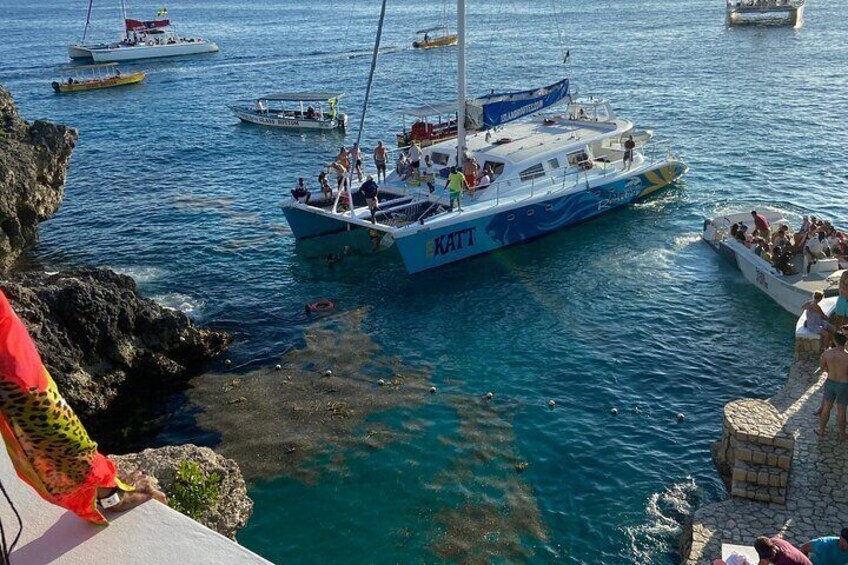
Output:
(816, 239)
(412, 166)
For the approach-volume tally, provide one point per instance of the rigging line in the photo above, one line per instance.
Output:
(17, 515)
(566, 54)
(367, 95)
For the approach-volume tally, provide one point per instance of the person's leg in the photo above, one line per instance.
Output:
(825, 415)
(840, 419)
(308, 196)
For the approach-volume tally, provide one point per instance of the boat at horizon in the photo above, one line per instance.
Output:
(441, 37)
(791, 291)
(789, 12)
(142, 39)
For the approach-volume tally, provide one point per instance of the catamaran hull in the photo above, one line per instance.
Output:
(428, 249)
(77, 51)
(116, 54)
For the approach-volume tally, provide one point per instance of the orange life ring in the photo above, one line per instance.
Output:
(321, 307)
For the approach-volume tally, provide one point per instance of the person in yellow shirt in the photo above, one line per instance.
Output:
(456, 183)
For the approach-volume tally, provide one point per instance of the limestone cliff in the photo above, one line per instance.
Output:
(33, 163)
(97, 336)
(232, 508)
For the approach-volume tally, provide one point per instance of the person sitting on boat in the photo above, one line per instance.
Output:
(816, 320)
(470, 169)
(781, 258)
(327, 189)
(484, 181)
(456, 184)
(260, 107)
(402, 166)
(815, 249)
(426, 38)
(781, 237)
(310, 113)
(369, 190)
(380, 158)
(761, 248)
(761, 225)
(300, 192)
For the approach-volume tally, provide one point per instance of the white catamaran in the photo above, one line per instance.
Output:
(142, 39)
(543, 174)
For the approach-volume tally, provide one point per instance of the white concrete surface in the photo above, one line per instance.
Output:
(149, 534)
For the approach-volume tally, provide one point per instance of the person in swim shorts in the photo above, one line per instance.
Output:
(835, 390)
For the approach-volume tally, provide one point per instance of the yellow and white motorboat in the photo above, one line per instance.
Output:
(93, 77)
(438, 36)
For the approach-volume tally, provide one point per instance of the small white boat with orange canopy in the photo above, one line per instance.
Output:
(438, 36)
(95, 77)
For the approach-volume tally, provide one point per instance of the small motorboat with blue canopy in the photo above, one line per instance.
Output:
(293, 110)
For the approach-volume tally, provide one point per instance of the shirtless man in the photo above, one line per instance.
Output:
(835, 363)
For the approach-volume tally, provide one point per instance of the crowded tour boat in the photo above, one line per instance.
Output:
(294, 110)
(789, 267)
(95, 77)
(147, 39)
(438, 36)
(528, 179)
(790, 12)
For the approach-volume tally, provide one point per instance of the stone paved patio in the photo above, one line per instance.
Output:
(817, 493)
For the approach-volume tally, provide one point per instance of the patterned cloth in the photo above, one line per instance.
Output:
(47, 443)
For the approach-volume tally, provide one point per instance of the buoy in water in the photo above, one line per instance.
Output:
(489, 396)
(551, 403)
(320, 307)
(614, 411)
(680, 416)
(328, 373)
(432, 390)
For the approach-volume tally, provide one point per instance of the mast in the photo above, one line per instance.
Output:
(460, 77)
(87, 21)
(124, 18)
(358, 145)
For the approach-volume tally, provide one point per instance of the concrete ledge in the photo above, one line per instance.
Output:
(151, 533)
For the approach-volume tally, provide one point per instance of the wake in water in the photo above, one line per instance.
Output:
(665, 513)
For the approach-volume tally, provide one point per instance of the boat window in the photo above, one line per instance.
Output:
(497, 168)
(440, 158)
(534, 172)
(577, 157)
(553, 163)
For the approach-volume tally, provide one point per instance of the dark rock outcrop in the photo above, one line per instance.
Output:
(232, 509)
(33, 162)
(97, 336)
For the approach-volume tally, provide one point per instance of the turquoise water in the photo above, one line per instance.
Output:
(628, 311)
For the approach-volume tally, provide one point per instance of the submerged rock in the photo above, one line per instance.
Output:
(232, 508)
(97, 336)
(33, 163)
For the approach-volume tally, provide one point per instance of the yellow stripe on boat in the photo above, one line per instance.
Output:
(95, 84)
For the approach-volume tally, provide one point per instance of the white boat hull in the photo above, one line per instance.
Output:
(272, 120)
(79, 51)
(781, 288)
(116, 54)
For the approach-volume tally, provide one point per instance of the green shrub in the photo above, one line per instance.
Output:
(193, 491)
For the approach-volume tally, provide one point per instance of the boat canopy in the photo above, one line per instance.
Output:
(497, 109)
(82, 67)
(139, 25)
(302, 96)
(430, 110)
(432, 29)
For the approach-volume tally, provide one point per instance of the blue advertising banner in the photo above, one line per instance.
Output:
(499, 109)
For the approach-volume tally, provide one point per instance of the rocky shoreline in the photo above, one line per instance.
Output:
(110, 351)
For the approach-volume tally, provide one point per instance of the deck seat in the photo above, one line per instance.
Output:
(822, 265)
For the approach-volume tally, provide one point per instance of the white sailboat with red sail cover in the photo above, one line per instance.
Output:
(142, 39)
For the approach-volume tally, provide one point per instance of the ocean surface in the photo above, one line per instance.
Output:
(628, 311)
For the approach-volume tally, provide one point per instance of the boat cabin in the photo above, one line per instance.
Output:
(429, 124)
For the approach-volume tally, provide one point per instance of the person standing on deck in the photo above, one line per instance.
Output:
(761, 225)
(629, 146)
(835, 390)
(456, 184)
(414, 156)
(369, 190)
(356, 157)
(344, 158)
(380, 158)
